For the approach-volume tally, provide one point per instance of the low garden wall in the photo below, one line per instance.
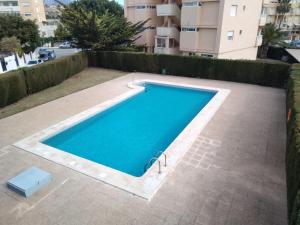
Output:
(273, 74)
(16, 84)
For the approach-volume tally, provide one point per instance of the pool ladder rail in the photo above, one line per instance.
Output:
(153, 159)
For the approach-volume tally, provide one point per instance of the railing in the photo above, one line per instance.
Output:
(153, 159)
(168, 10)
(168, 31)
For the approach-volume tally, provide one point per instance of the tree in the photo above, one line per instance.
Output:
(100, 7)
(271, 35)
(282, 9)
(11, 44)
(62, 34)
(24, 30)
(99, 28)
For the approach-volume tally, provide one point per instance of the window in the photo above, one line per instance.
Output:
(230, 35)
(191, 4)
(244, 8)
(150, 28)
(161, 42)
(241, 32)
(233, 10)
(207, 55)
(27, 14)
(190, 29)
(140, 7)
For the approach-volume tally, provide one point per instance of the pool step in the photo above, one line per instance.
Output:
(29, 181)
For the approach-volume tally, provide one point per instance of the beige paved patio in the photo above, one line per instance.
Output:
(234, 174)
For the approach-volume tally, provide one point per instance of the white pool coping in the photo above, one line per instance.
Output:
(148, 184)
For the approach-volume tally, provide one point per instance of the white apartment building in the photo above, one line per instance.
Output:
(211, 28)
(290, 21)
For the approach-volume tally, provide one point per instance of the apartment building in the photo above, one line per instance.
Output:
(290, 22)
(33, 10)
(9, 7)
(209, 28)
(28, 9)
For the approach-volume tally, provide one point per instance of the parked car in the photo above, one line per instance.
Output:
(295, 43)
(34, 62)
(41, 50)
(47, 54)
(65, 45)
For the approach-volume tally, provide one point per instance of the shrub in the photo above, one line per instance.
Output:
(293, 146)
(53, 72)
(244, 71)
(12, 87)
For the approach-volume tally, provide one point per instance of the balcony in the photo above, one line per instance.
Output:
(10, 9)
(168, 10)
(172, 32)
(262, 20)
(259, 40)
(166, 51)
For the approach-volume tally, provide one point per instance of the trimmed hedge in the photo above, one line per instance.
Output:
(53, 72)
(293, 146)
(12, 87)
(17, 84)
(243, 71)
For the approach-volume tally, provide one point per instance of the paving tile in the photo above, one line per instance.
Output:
(234, 174)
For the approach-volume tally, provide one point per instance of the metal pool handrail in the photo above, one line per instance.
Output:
(152, 160)
(146, 167)
(165, 156)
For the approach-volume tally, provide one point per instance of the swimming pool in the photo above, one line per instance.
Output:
(113, 141)
(128, 135)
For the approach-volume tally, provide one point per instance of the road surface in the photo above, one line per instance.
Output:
(60, 52)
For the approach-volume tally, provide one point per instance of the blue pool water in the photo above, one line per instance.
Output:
(126, 136)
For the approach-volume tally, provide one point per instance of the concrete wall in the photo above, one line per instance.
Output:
(33, 10)
(245, 26)
(135, 13)
(248, 53)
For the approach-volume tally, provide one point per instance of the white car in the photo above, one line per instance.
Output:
(34, 62)
(65, 45)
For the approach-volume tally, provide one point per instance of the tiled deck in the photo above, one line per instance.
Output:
(234, 174)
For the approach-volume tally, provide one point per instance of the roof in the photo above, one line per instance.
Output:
(295, 53)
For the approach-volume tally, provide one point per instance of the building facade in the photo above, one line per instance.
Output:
(9, 7)
(209, 28)
(28, 9)
(290, 22)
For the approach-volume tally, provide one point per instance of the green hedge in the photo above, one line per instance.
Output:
(17, 84)
(12, 87)
(293, 146)
(244, 71)
(53, 72)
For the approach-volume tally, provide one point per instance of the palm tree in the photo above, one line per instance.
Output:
(271, 35)
(282, 9)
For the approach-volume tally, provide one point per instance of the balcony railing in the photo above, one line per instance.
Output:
(167, 51)
(10, 9)
(168, 10)
(172, 32)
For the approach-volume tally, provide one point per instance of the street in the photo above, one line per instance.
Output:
(60, 52)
